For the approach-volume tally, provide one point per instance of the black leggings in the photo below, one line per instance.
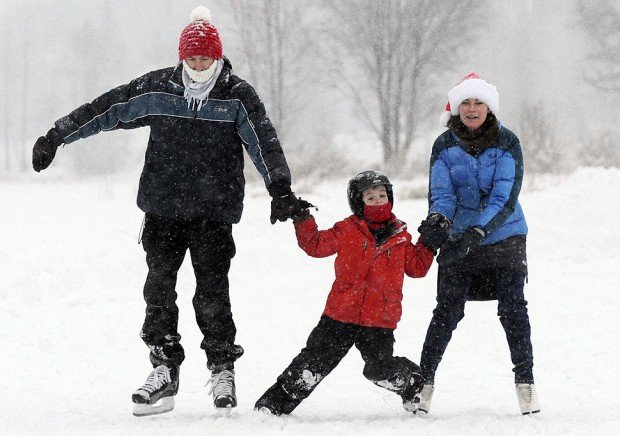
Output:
(512, 311)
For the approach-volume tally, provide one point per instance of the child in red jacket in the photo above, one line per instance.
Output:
(374, 252)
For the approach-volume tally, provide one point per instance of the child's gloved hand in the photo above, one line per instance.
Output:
(303, 211)
(470, 240)
(435, 230)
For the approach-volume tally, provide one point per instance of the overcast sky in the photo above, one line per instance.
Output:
(59, 54)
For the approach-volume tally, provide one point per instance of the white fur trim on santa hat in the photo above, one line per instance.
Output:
(444, 118)
(201, 13)
(474, 88)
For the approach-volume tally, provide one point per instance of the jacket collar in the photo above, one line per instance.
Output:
(393, 240)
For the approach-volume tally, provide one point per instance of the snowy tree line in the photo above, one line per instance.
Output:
(374, 72)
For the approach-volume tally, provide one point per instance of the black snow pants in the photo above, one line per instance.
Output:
(327, 345)
(452, 292)
(211, 247)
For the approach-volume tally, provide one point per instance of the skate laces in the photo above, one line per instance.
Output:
(525, 390)
(159, 377)
(222, 384)
(427, 392)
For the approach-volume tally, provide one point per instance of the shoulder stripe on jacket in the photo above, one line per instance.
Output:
(248, 135)
(154, 103)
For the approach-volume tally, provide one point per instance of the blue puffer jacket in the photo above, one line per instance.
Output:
(478, 191)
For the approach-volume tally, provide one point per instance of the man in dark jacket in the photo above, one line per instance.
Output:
(191, 189)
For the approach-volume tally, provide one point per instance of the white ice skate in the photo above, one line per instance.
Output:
(223, 390)
(424, 406)
(528, 399)
(411, 395)
(157, 394)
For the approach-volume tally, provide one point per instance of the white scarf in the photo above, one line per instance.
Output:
(196, 93)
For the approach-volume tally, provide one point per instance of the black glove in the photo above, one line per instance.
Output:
(284, 204)
(302, 212)
(470, 240)
(283, 207)
(435, 230)
(44, 150)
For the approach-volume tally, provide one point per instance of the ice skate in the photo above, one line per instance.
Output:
(411, 405)
(267, 411)
(157, 394)
(425, 397)
(411, 395)
(273, 402)
(267, 407)
(528, 399)
(223, 390)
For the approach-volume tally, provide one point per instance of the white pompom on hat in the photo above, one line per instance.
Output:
(472, 86)
(200, 13)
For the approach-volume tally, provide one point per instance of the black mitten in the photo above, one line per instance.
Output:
(470, 240)
(435, 230)
(44, 150)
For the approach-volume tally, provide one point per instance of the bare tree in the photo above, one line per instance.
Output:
(540, 148)
(107, 152)
(6, 49)
(601, 150)
(601, 22)
(389, 54)
(25, 94)
(275, 43)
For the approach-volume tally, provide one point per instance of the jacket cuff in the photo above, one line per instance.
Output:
(302, 224)
(421, 243)
(54, 137)
(279, 189)
(302, 216)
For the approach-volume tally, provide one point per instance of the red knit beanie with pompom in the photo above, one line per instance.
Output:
(200, 37)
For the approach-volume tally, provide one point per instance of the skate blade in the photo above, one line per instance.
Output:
(265, 411)
(164, 405)
(530, 412)
(224, 411)
(411, 408)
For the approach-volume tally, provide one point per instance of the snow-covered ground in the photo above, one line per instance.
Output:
(71, 276)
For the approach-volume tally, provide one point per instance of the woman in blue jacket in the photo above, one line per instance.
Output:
(476, 171)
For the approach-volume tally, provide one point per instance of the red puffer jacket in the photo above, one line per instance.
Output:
(369, 279)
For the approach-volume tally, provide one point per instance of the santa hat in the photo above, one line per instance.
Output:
(472, 86)
(200, 37)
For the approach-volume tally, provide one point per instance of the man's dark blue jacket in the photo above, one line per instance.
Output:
(193, 165)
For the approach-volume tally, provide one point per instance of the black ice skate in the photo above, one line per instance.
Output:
(411, 394)
(157, 394)
(223, 390)
(270, 403)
